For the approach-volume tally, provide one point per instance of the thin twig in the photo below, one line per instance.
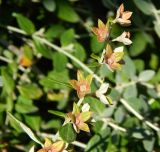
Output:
(139, 116)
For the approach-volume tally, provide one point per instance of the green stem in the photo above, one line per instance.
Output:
(139, 116)
(83, 66)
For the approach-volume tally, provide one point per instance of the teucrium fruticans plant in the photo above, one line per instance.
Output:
(81, 116)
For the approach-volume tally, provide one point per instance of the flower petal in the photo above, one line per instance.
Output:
(89, 79)
(118, 56)
(116, 66)
(103, 99)
(47, 143)
(80, 76)
(104, 87)
(58, 146)
(85, 116)
(120, 10)
(101, 24)
(84, 127)
(76, 110)
(126, 15)
(95, 30)
(73, 84)
(85, 107)
(109, 51)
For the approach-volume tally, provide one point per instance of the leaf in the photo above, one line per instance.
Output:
(67, 37)
(154, 61)
(129, 69)
(119, 114)
(157, 28)
(96, 47)
(146, 75)
(31, 91)
(54, 31)
(98, 142)
(96, 106)
(60, 61)
(67, 133)
(57, 113)
(33, 121)
(145, 6)
(42, 49)
(24, 23)
(140, 65)
(149, 144)
(49, 5)
(139, 44)
(56, 80)
(130, 91)
(25, 129)
(66, 12)
(79, 51)
(8, 82)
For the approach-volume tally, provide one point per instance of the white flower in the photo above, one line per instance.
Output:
(85, 107)
(101, 91)
(124, 38)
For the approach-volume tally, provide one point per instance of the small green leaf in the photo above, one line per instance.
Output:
(96, 106)
(25, 129)
(42, 49)
(79, 51)
(56, 80)
(24, 23)
(119, 114)
(157, 28)
(31, 91)
(139, 44)
(59, 61)
(67, 37)
(57, 113)
(54, 31)
(146, 75)
(33, 121)
(8, 82)
(130, 91)
(66, 12)
(149, 144)
(96, 47)
(49, 5)
(145, 6)
(67, 133)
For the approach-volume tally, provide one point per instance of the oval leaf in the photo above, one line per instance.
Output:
(67, 133)
(25, 129)
(146, 75)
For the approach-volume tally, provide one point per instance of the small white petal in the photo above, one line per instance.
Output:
(102, 56)
(75, 128)
(119, 49)
(104, 87)
(126, 41)
(32, 149)
(103, 99)
(85, 107)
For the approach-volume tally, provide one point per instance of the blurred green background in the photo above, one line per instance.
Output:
(28, 92)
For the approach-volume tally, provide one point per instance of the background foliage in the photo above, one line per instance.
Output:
(28, 93)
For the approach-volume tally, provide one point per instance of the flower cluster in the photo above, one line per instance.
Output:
(81, 116)
(113, 58)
